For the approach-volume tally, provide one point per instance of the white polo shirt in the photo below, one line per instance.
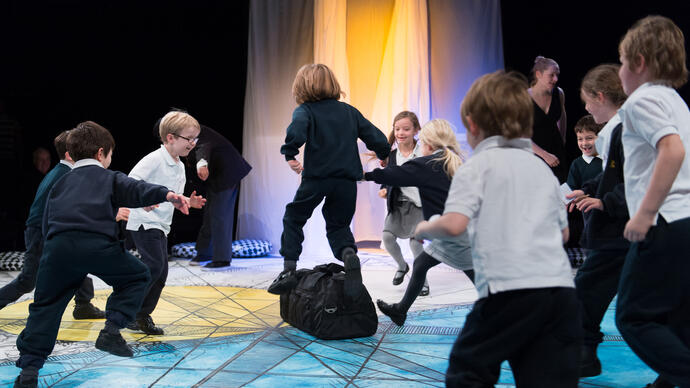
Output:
(516, 216)
(159, 168)
(650, 113)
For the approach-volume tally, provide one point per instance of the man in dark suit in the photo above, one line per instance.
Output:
(221, 167)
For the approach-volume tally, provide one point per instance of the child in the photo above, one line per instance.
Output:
(403, 203)
(653, 312)
(81, 238)
(527, 312)
(588, 165)
(332, 166)
(431, 173)
(179, 132)
(602, 201)
(33, 239)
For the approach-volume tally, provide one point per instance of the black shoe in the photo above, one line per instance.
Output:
(400, 275)
(424, 291)
(30, 383)
(113, 344)
(133, 325)
(217, 265)
(87, 311)
(660, 383)
(286, 281)
(200, 260)
(392, 312)
(350, 260)
(146, 325)
(589, 362)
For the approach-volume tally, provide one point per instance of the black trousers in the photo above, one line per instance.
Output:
(152, 244)
(653, 309)
(67, 258)
(537, 330)
(214, 240)
(26, 281)
(338, 209)
(596, 283)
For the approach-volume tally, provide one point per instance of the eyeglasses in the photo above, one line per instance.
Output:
(192, 141)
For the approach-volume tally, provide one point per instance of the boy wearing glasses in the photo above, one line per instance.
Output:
(150, 226)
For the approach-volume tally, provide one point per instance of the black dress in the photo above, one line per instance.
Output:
(546, 135)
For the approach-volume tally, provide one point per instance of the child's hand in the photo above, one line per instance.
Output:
(551, 159)
(383, 193)
(122, 214)
(202, 172)
(419, 232)
(578, 196)
(179, 201)
(636, 229)
(196, 201)
(384, 163)
(149, 208)
(587, 204)
(295, 166)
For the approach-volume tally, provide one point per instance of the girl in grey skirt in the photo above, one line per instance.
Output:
(404, 203)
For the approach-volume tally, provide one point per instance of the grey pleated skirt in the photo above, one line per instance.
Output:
(402, 221)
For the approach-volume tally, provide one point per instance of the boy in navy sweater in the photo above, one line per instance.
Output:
(81, 238)
(33, 239)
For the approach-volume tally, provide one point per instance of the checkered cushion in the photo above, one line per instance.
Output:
(251, 248)
(576, 256)
(184, 250)
(134, 253)
(11, 261)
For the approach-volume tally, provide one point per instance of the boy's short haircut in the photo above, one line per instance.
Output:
(662, 45)
(86, 138)
(174, 122)
(315, 82)
(60, 144)
(587, 123)
(499, 105)
(604, 79)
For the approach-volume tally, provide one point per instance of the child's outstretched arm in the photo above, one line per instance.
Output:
(448, 225)
(196, 201)
(671, 154)
(179, 201)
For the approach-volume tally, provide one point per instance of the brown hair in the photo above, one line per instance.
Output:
(604, 79)
(315, 82)
(662, 45)
(587, 123)
(499, 105)
(175, 122)
(541, 64)
(60, 144)
(406, 114)
(84, 141)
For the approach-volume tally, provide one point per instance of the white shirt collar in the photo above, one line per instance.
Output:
(500, 141)
(87, 162)
(66, 163)
(166, 155)
(588, 158)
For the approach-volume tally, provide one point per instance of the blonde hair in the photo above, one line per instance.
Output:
(315, 82)
(542, 64)
(604, 79)
(439, 134)
(175, 122)
(406, 114)
(499, 105)
(662, 45)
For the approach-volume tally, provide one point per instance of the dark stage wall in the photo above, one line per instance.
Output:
(123, 64)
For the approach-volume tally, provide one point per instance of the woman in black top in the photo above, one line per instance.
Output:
(548, 131)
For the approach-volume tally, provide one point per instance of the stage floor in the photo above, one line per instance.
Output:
(224, 330)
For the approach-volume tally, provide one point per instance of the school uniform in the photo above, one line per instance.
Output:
(596, 281)
(581, 170)
(149, 230)
(33, 240)
(653, 309)
(527, 312)
(81, 237)
(332, 167)
(403, 203)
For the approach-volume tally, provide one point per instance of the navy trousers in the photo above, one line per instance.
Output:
(653, 309)
(338, 209)
(538, 331)
(152, 244)
(216, 233)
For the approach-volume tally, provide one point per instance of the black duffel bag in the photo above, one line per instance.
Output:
(319, 306)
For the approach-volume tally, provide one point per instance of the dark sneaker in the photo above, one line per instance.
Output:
(286, 281)
(400, 275)
(133, 326)
(392, 312)
(217, 265)
(27, 383)
(147, 326)
(200, 260)
(87, 311)
(424, 291)
(589, 362)
(113, 344)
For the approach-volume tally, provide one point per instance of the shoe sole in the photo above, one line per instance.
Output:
(199, 263)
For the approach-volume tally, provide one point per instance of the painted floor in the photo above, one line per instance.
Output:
(224, 330)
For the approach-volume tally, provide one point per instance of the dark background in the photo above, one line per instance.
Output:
(124, 64)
